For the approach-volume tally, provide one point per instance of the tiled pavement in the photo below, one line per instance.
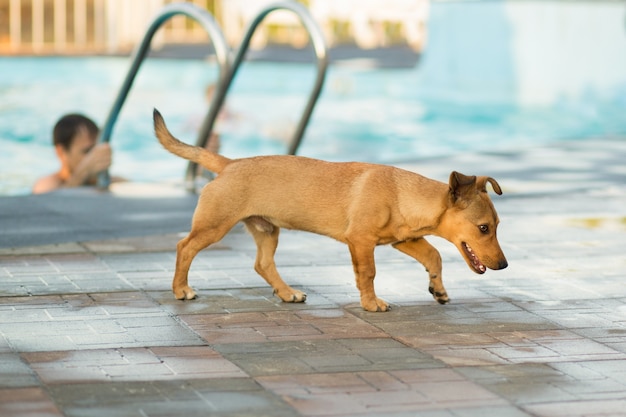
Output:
(91, 328)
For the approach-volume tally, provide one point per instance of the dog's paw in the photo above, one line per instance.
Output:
(291, 296)
(375, 305)
(440, 296)
(185, 293)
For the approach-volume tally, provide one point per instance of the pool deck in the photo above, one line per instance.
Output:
(90, 328)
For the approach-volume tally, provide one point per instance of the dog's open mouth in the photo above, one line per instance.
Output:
(475, 262)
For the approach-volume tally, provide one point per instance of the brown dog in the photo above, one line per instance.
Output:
(362, 205)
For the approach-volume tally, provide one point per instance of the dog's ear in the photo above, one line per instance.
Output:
(461, 185)
(481, 184)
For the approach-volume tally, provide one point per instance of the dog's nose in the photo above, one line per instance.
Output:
(502, 264)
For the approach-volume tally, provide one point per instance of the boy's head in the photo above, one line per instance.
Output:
(74, 136)
(68, 126)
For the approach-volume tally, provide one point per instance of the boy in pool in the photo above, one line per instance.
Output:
(81, 158)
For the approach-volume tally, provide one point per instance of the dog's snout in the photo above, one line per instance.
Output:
(502, 264)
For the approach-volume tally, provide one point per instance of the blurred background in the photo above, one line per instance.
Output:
(409, 79)
(115, 26)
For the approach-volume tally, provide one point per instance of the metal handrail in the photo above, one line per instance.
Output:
(227, 71)
(206, 20)
(320, 48)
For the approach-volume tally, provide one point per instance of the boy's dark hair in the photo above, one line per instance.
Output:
(67, 127)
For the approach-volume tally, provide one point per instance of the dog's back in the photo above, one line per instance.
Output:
(307, 194)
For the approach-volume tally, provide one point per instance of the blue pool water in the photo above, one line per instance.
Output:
(366, 114)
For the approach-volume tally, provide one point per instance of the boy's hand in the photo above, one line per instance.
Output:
(97, 159)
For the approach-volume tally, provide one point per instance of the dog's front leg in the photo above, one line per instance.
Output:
(365, 272)
(427, 255)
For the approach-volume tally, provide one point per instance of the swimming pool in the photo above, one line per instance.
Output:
(363, 114)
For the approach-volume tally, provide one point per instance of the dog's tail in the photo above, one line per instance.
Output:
(209, 160)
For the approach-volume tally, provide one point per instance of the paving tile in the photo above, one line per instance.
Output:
(279, 326)
(337, 355)
(237, 300)
(193, 398)
(489, 411)
(157, 280)
(519, 348)
(39, 284)
(446, 341)
(611, 408)
(4, 345)
(15, 373)
(151, 261)
(582, 349)
(139, 244)
(526, 337)
(60, 323)
(505, 373)
(27, 402)
(378, 392)
(20, 265)
(466, 357)
(134, 364)
(434, 319)
(537, 383)
(607, 389)
(529, 392)
(70, 247)
(595, 369)
(59, 274)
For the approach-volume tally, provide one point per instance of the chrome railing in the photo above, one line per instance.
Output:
(227, 71)
(320, 48)
(209, 24)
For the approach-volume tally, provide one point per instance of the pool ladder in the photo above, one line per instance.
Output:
(227, 69)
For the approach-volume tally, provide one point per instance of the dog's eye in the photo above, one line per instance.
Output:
(483, 228)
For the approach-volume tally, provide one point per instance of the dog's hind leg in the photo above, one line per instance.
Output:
(186, 250)
(266, 237)
(428, 256)
(205, 230)
(365, 272)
